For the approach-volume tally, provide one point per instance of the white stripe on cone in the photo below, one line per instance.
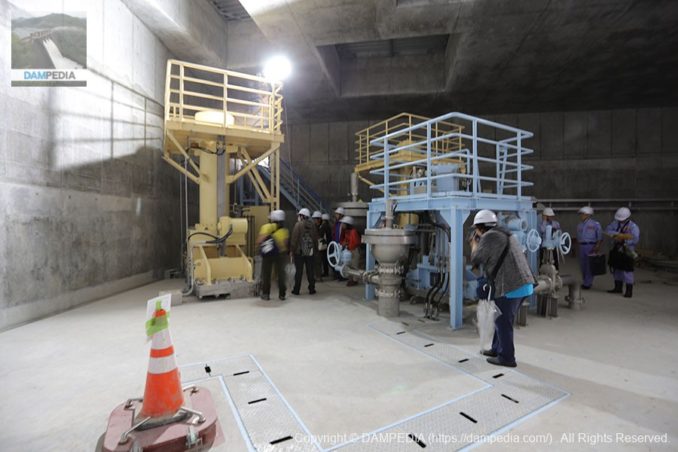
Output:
(161, 340)
(162, 365)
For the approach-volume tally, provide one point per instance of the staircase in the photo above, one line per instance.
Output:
(294, 188)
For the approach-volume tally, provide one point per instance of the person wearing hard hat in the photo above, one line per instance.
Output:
(549, 219)
(337, 233)
(625, 235)
(273, 244)
(509, 277)
(325, 237)
(589, 237)
(303, 249)
(351, 241)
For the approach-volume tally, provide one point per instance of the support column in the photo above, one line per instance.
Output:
(455, 219)
(208, 187)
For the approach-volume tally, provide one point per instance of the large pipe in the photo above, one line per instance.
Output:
(354, 187)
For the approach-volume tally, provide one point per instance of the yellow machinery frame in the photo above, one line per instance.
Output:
(364, 150)
(211, 112)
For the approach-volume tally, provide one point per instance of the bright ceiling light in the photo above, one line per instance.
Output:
(277, 68)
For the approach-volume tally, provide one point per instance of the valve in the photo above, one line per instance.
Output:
(533, 241)
(333, 254)
(565, 243)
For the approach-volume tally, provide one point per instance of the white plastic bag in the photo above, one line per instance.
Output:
(486, 315)
(290, 270)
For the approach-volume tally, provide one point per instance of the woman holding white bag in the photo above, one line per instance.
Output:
(509, 278)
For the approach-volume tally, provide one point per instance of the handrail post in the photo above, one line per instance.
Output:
(519, 176)
(428, 160)
(181, 92)
(387, 189)
(476, 169)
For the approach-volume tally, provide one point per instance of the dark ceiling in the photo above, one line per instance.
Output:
(360, 58)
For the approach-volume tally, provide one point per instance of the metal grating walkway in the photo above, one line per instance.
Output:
(267, 422)
(511, 397)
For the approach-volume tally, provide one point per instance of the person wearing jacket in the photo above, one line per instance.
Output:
(589, 238)
(325, 233)
(351, 242)
(273, 243)
(499, 253)
(626, 235)
(303, 249)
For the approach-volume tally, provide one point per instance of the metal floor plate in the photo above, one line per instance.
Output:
(511, 397)
(267, 420)
(268, 423)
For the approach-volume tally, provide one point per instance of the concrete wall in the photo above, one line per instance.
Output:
(87, 207)
(610, 154)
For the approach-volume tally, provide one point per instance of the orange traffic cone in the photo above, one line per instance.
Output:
(163, 395)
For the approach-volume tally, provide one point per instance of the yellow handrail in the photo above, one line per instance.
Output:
(245, 101)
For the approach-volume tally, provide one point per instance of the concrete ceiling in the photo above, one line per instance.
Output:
(499, 56)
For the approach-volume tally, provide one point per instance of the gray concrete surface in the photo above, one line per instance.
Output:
(518, 56)
(67, 372)
(87, 207)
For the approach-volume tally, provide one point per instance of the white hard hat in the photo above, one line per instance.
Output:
(325, 216)
(586, 210)
(622, 214)
(548, 212)
(277, 215)
(305, 212)
(485, 217)
(348, 220)
(340, 210)
(317, 214)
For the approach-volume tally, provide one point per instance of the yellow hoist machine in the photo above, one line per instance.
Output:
(214, 115)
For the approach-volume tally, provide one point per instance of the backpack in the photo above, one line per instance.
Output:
(307, 245)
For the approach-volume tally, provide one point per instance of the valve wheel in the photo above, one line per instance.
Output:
(565, 243)
(333, 254)
(533, 241)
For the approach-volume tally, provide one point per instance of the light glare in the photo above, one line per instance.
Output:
(277, 68)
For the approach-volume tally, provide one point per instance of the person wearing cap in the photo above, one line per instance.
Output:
(549, 216)
(625, 235)
(337, 232)
(509, 277)
(589, 237)
(273, 244)
(325, 237)
(303, 249)
(351, 241)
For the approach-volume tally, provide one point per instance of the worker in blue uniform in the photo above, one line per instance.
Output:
(549, 219)
(589, 237)
(625, 235)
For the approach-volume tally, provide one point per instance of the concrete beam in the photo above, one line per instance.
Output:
(192, 31)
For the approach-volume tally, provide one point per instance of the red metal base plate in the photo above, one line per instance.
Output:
(170, 437)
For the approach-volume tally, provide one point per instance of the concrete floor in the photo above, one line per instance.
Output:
(61, 376)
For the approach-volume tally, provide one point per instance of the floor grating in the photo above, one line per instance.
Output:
(268, 422)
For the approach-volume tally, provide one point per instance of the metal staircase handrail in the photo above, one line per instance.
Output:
(310, 190)
(295, 189)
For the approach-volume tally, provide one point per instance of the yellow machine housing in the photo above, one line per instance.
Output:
(211, 114)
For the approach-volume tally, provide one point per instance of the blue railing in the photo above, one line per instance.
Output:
(493, 159)
(295, 189)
